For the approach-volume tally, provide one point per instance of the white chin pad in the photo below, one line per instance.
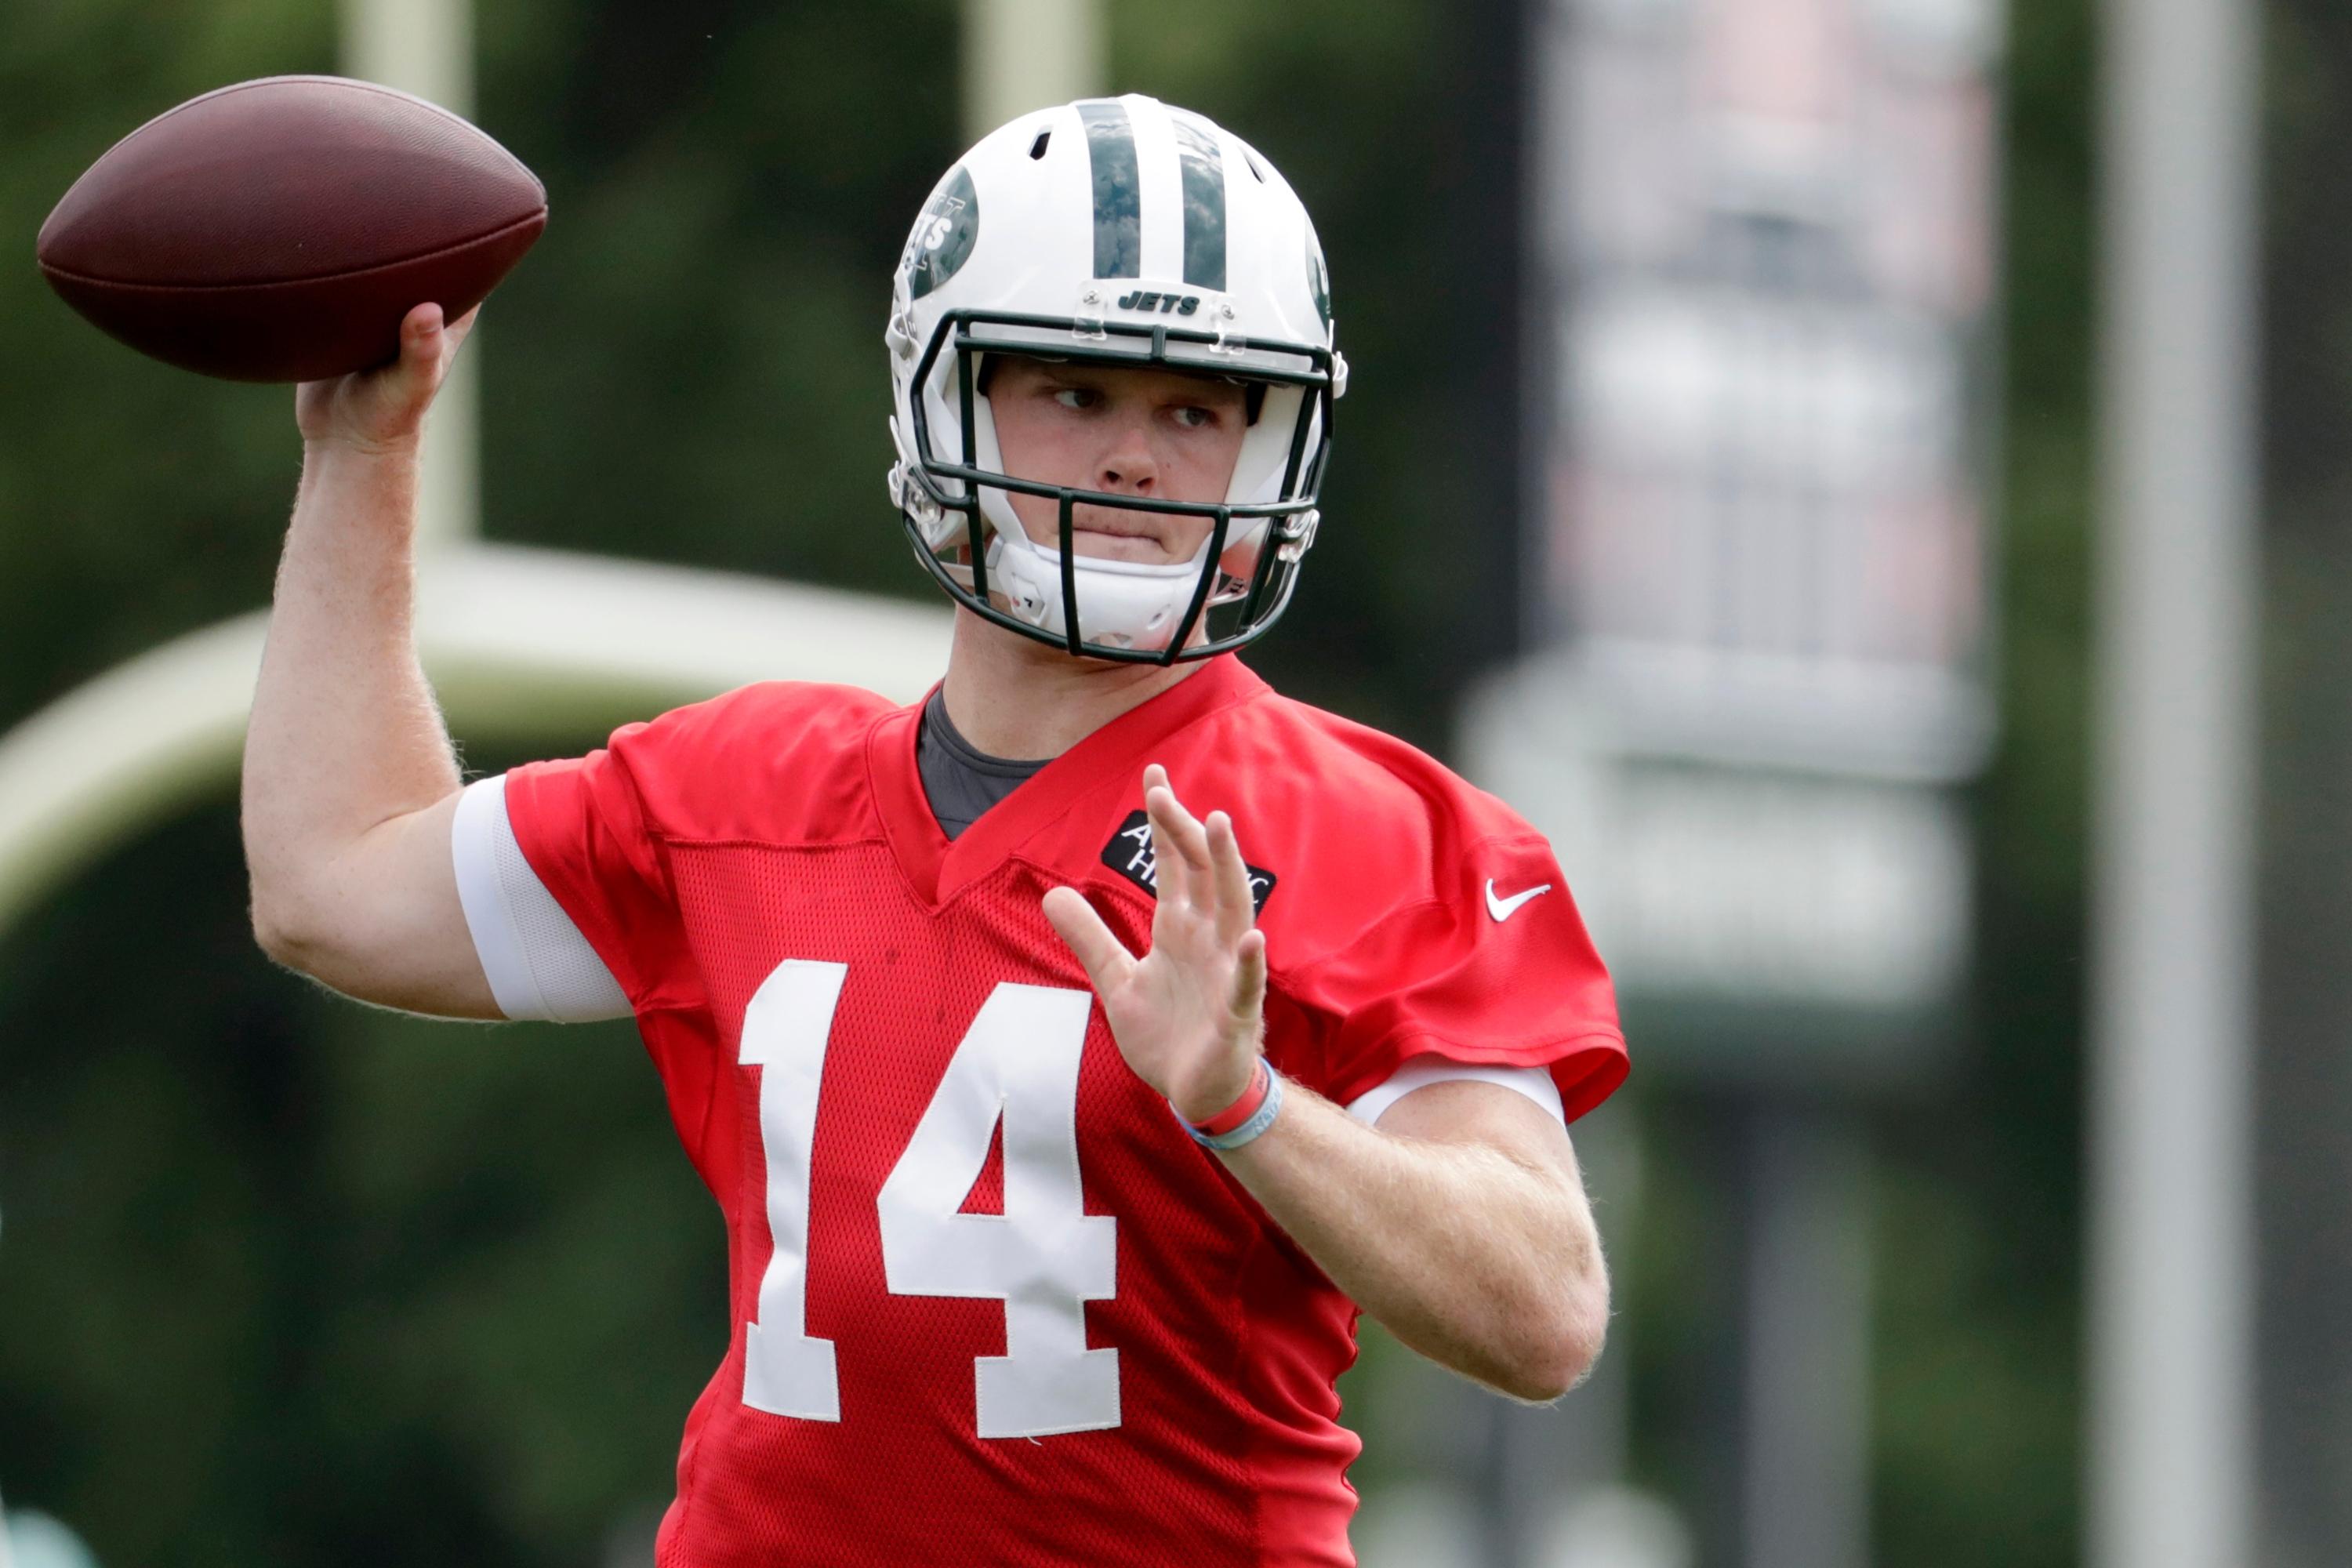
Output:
(1121, 604)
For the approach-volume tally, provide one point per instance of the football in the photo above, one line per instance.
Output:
(279, 229)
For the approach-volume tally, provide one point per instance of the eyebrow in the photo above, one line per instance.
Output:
(1078, 372)
(1098, 375)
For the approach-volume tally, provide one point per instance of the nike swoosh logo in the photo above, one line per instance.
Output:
(1503, 908)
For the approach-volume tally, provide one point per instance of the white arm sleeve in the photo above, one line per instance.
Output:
(539, 964)
(1421, 1071)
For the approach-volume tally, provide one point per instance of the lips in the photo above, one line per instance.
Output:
(1106, 525)
(1088, 519)
(1120, 544)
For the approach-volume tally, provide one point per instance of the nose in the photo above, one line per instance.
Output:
(1128, 466)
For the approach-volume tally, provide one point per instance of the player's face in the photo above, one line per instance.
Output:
(1126, 430)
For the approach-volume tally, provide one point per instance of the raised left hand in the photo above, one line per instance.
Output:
(1188, 1016)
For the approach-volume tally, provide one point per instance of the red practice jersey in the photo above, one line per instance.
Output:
(990, 1304)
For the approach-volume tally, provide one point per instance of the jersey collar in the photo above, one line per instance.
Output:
(1112, 757)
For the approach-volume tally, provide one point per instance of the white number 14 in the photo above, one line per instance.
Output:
(1044, 1257)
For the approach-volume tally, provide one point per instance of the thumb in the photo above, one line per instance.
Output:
(424, 350)
(1100, 953)
(384, 406)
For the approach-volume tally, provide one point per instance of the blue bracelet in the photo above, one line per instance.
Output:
(1248, 1131)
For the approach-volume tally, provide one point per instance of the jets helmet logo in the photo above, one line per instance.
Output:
(944, 235)
(1318, 280)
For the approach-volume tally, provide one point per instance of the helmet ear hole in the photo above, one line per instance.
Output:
(1037, 148)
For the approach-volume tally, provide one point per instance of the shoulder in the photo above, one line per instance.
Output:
(1355, 824)
(756, 719)
(1319, 776)
(744, 763)
(1410, 913)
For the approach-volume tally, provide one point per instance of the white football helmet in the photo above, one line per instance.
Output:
(1113, 231)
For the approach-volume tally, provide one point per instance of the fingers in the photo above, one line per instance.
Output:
(1171, 872)
(1248, 999)
(1169, 882)
(1100, 953)
(1200, 864)
(1237, 911)
(1179, 840)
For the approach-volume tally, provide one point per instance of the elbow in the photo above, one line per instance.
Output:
(1556, 1362)
(1563, 1341)
(273, 904)
(281, 931)
(306, 948)
(277, 939)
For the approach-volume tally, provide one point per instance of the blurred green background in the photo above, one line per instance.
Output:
(288, 1281)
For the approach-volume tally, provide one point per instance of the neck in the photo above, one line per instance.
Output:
(1017, 699)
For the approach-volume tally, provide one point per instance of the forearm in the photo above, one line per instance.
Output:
(1469, 1238)
(1476, 1256)
(345, 734)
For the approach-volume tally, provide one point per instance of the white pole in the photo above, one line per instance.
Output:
(1806, 1331)
(1019, 55)
(427, 47)
(2170, 1357)
(8, 1554)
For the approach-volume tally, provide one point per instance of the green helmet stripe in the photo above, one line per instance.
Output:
(1118, 193)
(1204, 204)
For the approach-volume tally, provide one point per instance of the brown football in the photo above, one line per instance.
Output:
(278, 230)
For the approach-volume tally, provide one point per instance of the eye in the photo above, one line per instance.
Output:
(1077, 397)
(1193, 416)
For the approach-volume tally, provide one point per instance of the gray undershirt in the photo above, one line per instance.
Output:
(961, 781)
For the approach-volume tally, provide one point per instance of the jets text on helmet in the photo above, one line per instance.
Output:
(1166, 304)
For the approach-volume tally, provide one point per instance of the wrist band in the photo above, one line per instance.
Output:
(1244, 1120)
(1242, 1108)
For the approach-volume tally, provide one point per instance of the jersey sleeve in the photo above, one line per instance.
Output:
(1532, 1084)
(1494, 968)
(584, 826)
(538, 963)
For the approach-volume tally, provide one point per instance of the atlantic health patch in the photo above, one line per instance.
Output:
(1130, 854)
